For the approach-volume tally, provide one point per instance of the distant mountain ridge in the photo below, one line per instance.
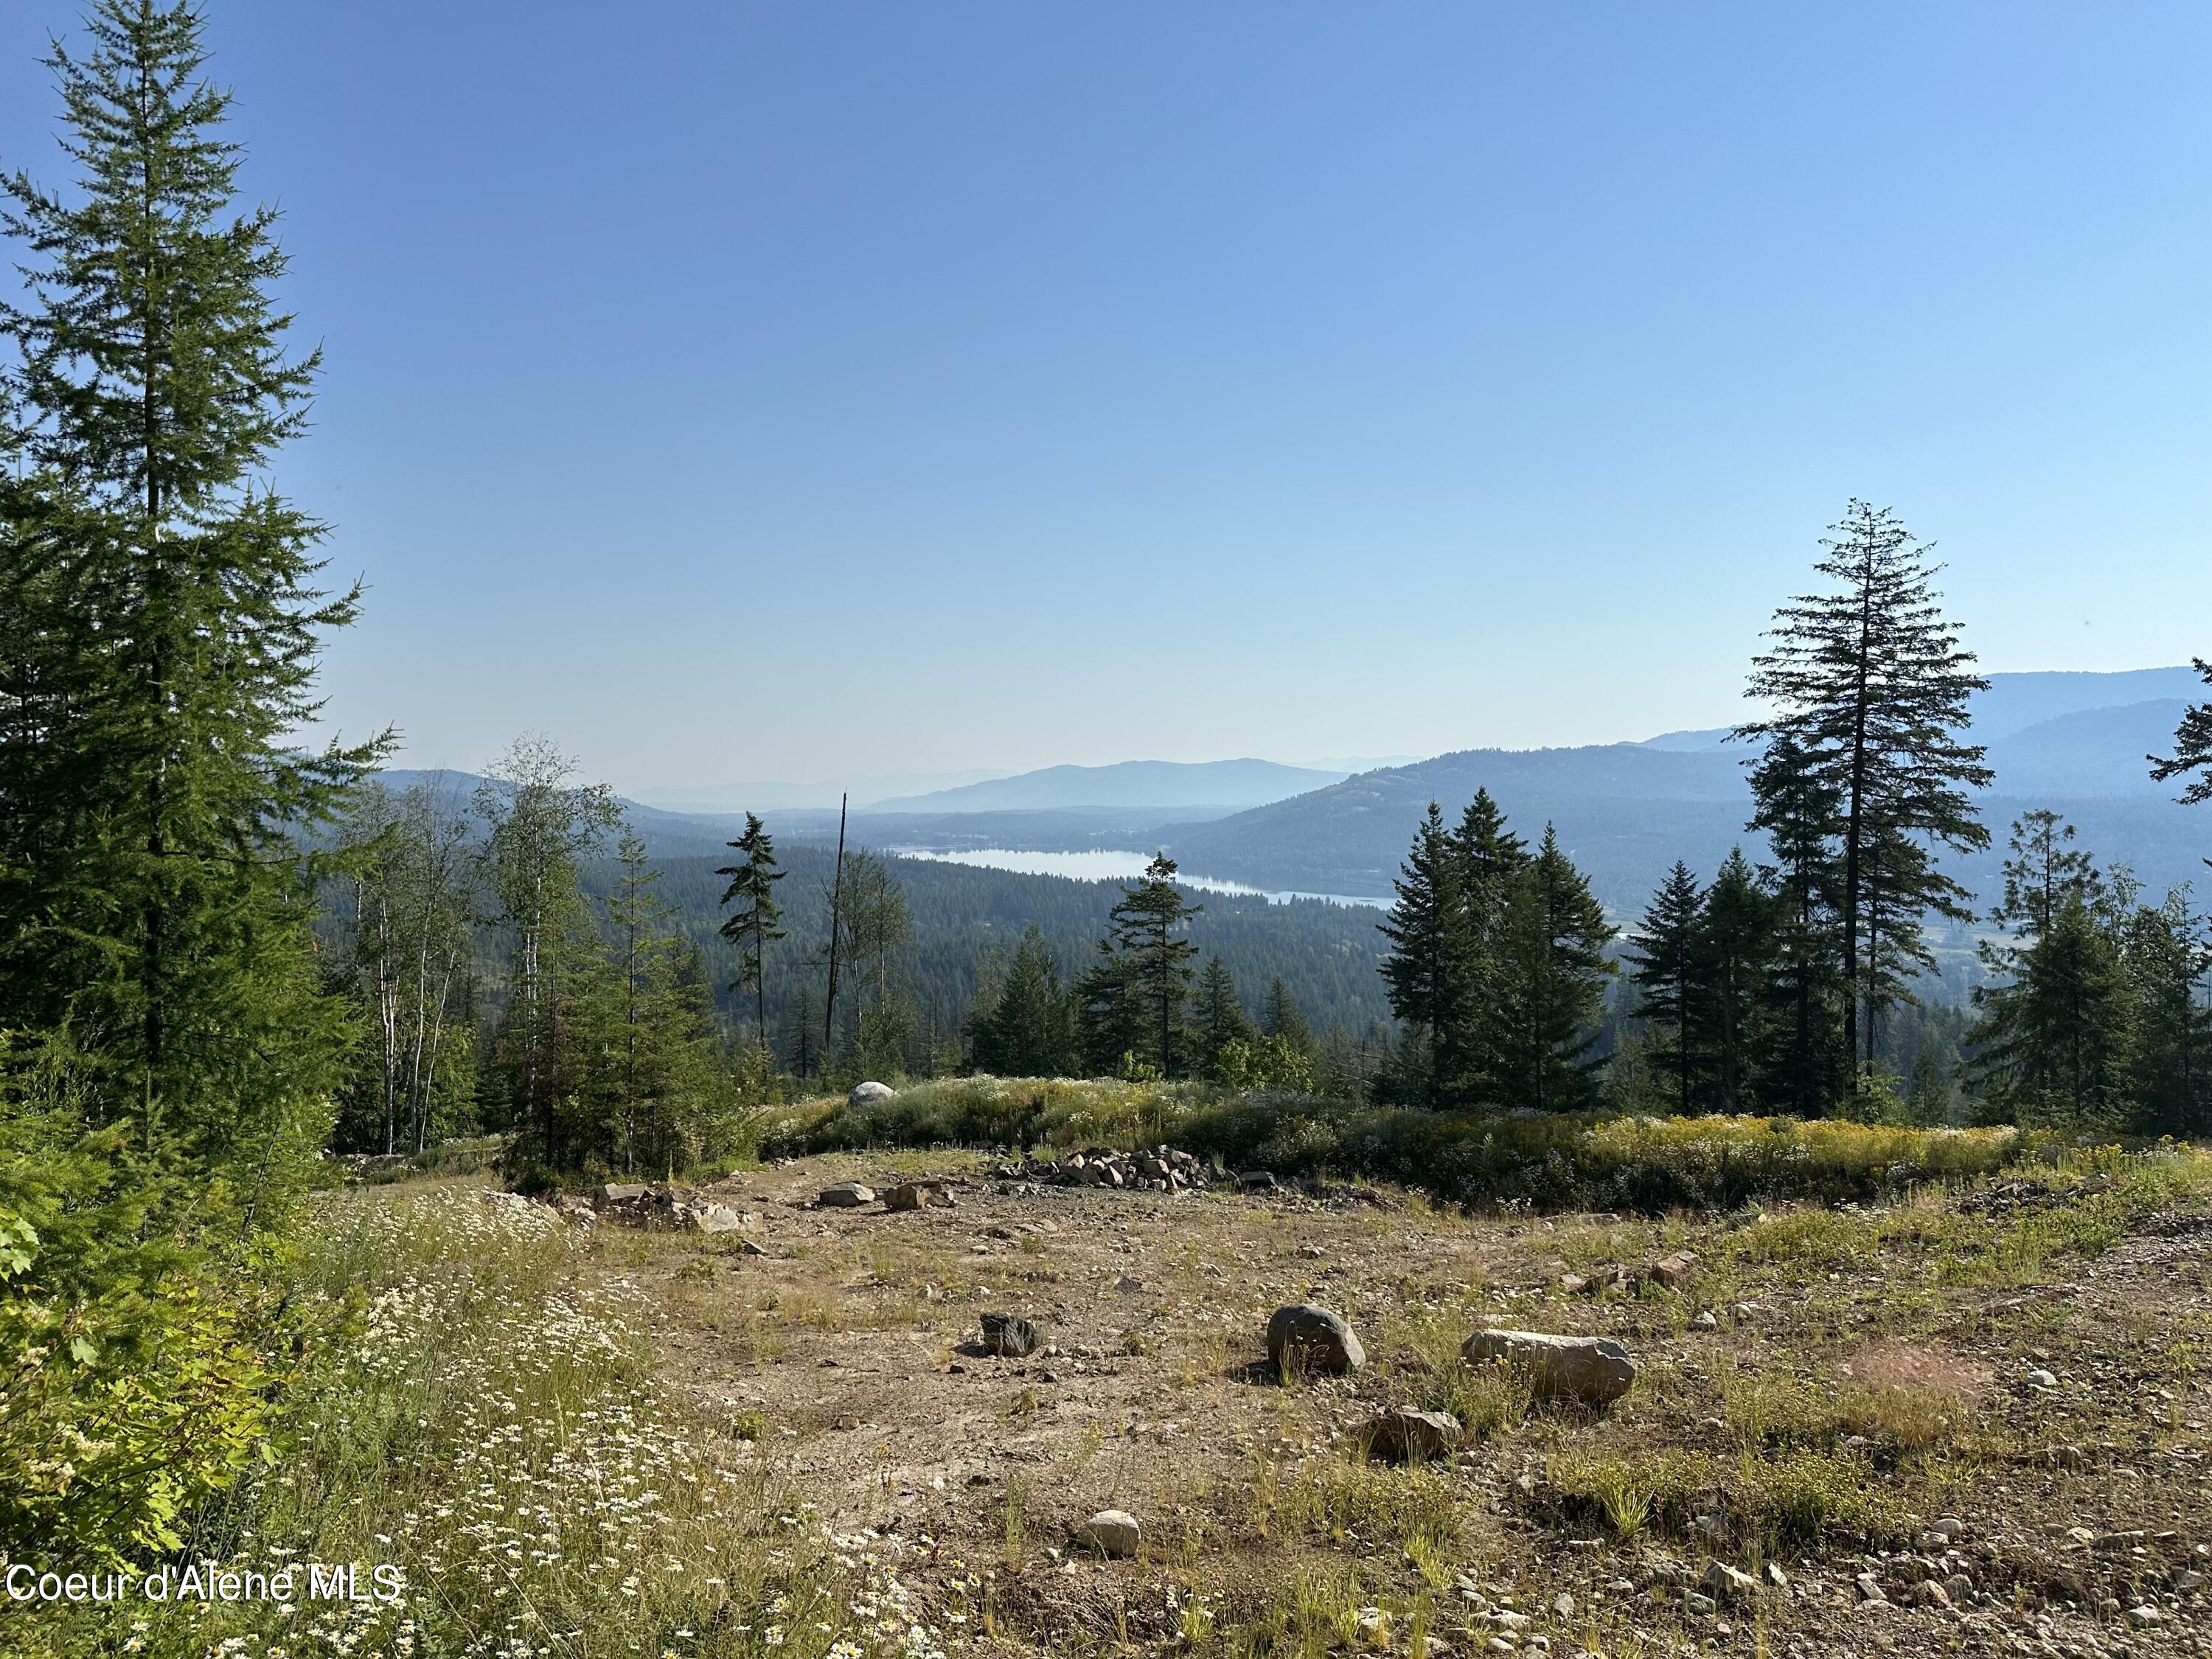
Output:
(1125, 785)
(1626, 812)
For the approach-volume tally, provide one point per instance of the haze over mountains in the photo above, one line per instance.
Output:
(2072, 741)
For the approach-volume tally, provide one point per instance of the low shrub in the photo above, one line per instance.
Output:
(1564, 1161)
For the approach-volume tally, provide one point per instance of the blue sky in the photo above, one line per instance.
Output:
(758, 390)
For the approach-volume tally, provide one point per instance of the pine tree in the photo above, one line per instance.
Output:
(758, 921)
(1146, 931)
(1491, 859)
(1553, 975)
(1026, 1028)
(2192, 749)
(1430, 970)
(1736, 945)
(2169, 1081)
(1668, 960)
(542, 826)
(1796, 806)
(1219, 1018)
(1282, 1018)
(1870, 684)
(2057, 1040)
(159, 626)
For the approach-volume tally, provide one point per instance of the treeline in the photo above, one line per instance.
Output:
(520, 964)
(1794, 984)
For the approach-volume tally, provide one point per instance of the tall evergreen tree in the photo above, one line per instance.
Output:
(1219, 1018)
(1737, 943)
(542, 827)
(2170, 1062)
(1430, 969)
(1796, 807)
(1553, 975)
(758, 919)
(2192, 749)
(1147, 932)
(1668, 963)
(2058, 1042)
(1871, 686)
(159, 625)
(1026, 1026)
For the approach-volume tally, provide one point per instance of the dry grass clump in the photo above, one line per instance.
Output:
(1911, 1397)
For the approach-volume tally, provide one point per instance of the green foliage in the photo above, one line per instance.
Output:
(1025, 1024)
(1871, 686)
(1133, 999)
(1565, 1160)
(758, 918)
(136, 1375)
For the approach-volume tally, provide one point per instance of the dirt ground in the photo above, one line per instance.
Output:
(2028, 1472)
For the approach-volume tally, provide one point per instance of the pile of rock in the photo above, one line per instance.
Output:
(1153, 1170)
(1669, 1273)
(906, 1195)
(661, 1209)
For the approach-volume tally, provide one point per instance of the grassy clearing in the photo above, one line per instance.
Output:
(477, 1415)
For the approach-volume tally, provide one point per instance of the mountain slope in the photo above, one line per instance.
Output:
(1127, 784)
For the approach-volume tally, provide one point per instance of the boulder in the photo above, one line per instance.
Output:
(1316, 1338)
(1595, 1370)
(1257, 1180)
(869, 1094)
(915, 1195)
(714, 1218)
(1673, 1271)
(847, 1195)
(1010, 1335)
(1110, 1532)
(620, 1192)
(1399, 1436)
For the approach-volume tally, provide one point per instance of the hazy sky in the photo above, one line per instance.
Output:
(742, 391)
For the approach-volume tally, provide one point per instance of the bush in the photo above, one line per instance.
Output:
(1564, 1161)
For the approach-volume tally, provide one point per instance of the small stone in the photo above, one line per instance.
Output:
(1728, 1583)
(1563, 1606)
(1569, 1284)
(1399, 1436)
(1705, 1321)
(1694, 1602)
(714, 1218)
(849, 1423)
(1948, 1526)
(1673, 1271)
(1869, 1588)
(1776, 1577)
(1929, 1594)
(2145, 1616)
(1125, 1286)
(2041, 1379)
(1110, 1532)
(846, 1195)
(2188, 1579)
(1009, 1335)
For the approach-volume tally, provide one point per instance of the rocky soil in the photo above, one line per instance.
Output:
(1896, 1441)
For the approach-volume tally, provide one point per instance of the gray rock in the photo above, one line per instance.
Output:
(2041, 1379)
(1870, 1589)
(1399, 1436)
(1315, 1339)
(1010, 1335)
(1110, 1532)
(1257, 1180)
(714, 1218)
(620, 1192)
(1595, 1370)
(1705, 1321)
(1726, 1583)
(916, 1195)
(847, 1195)
(868, 1094)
